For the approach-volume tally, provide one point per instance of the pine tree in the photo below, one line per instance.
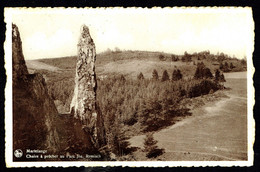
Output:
(226, 67)
(155, 75)
(243, 62)
(176, 75)
(122, 78)
(217, 75)
(173, 58)
(202, 72)
(206, 73)
(222, 78)
(165, 76)
(161, 57)
(179, 75)
(221, 66)
(140, 76)
(151, 148)
(231, 65)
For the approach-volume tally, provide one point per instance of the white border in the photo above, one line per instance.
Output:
(8, 95)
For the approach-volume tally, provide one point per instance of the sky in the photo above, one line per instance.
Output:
(49, 33)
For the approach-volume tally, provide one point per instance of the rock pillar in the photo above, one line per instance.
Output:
(83, 105)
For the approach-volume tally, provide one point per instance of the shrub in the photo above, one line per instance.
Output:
(186, 57)
(175, 58)
(243, 62)
(161, 57)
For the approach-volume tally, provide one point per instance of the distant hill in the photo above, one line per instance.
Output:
(131, 63)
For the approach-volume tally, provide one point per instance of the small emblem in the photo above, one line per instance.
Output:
(18, 153)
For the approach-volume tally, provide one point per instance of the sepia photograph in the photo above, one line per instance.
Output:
(129, 86)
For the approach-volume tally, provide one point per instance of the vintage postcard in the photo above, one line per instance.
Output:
(129, 87)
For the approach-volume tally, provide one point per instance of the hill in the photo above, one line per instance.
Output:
(59, 73)
(131, 63)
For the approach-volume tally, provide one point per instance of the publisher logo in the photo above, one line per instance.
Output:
(18, 153)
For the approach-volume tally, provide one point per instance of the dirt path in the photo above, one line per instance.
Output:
(217, 131)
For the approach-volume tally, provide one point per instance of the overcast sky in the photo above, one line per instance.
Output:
(54, 33)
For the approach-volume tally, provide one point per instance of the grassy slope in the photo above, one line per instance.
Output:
(131, 63)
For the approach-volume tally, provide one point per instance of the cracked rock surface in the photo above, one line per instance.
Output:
(83, 105)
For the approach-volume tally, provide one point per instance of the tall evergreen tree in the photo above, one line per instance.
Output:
(165, 76)
(217, 75)
(202, 72)
(221, 66)
(231, 66)
(155, 75)
(222, 78)
(151, 148)
(176, 75)
(140, 76)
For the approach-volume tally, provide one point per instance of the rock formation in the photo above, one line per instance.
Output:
(19, 67)
(34, 112)
(83, 105)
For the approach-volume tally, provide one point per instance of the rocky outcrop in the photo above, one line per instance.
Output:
(83, 105)
(19, 67)
(34, 113)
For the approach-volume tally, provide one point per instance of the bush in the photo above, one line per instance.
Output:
(162, 58)
(186, 57)
(175, 58)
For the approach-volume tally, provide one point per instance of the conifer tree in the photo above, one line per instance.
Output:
(217, 75)
(155, 75)
(231, 65)
(165, 76)
(176, 75)
(202, 72)
(151, 148)
(222, 78)
(140, 76)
